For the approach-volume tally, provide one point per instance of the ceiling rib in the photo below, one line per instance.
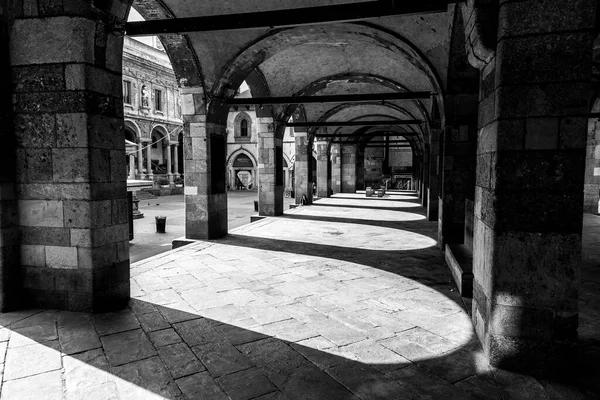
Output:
(288, 17)
(340, 135)
(337, 98)
(389, 123)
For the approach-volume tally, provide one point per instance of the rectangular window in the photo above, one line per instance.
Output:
(126, 92)
(158, 104)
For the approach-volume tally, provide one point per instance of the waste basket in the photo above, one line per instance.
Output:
(256, 205)
(161, 222)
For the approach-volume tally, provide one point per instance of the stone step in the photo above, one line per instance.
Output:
(460, 262)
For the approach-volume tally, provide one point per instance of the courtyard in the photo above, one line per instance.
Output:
(348, 298)
(147, 242)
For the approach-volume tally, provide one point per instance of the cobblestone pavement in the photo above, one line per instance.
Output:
(346, 299)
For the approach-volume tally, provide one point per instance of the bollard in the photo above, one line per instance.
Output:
(161, 223)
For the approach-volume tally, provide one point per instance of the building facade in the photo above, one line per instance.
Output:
(152, 111)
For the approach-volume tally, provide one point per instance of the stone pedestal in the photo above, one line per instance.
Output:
(270, 185)
(529, 187)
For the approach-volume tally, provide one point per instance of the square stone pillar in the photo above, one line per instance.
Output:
(434, 180)
(70, 171)
(529, 186)
(360, 168)
(348, 168)
(336, 168)
(425, 175)
(304, 186)
(456, 182)
(270, 170)
(204, 155)
(322, 169)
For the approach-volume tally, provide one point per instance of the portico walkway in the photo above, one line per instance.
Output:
(348, 298)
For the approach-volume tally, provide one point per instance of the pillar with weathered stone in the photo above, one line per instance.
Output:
(270, 173)
(131, 166)
(71, 172)
(348, 168)
(529, 188)
(425, 175)
(322, 168)
(434, 170)
(336, 168)
(304, 186)
(456, 182)
(205, 169)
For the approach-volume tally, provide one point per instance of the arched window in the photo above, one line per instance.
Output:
(244, 128)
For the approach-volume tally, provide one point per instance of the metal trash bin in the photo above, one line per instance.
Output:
(161, 223)
(256, 205)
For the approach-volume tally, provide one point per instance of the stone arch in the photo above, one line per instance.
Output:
(237, 152)
(134, 128)
(480, 24)
(163, 131)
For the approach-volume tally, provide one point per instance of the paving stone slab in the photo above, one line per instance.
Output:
(221, 358)
(368, 383)
(153, 321)
(164, 337)
(87, 370)
(107, 324)
(180, 360)
(246, 384)
(31, 360)
(33, 334)
(125, 347)
(201, 386)
(198, 332)
(76, 333)
(145, 379)
(47, 386)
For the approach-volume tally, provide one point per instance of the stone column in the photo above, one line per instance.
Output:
(529, 187)
(131, 166)
(205, 170)
(360, 169)
(270, 161)
(336, 168)
(348, 168)
(176, 160)
(149, 174)
(434, 179)
(322, 168)
(425, 174)
(169, 166)
(140, 160)
(302, 168)
(71, 169)
(456, 182)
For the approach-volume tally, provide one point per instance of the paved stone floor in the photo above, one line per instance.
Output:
(345, 299)
(148, 243)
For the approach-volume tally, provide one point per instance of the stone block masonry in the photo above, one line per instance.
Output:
(70, 173)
